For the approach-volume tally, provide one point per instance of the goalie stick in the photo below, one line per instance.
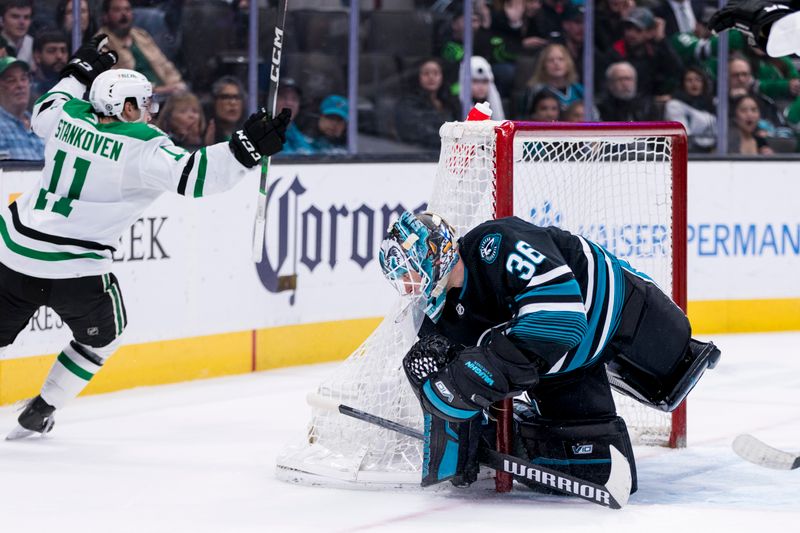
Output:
(754, 450)
(260, 225)
(614, 494)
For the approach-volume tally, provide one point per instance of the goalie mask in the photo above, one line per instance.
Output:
(417, 255)
(112, 88)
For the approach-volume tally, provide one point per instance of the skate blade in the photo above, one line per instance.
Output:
(20, 432)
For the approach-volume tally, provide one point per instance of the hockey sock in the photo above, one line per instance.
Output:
(74, 367)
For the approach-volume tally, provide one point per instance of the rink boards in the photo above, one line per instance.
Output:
(198, 307)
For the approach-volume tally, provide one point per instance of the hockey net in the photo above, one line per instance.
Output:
(620, 185)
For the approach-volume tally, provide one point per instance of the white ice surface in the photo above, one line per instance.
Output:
(199, 457)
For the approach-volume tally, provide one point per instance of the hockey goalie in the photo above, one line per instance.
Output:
(539, 314)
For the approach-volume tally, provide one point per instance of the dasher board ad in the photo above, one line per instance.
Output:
(185, 265)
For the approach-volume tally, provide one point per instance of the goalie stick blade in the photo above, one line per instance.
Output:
(614, 494)
(757, 452)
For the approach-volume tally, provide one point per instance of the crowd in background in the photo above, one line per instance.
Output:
(653, 60)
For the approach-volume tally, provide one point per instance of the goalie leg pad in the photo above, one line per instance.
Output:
(577, 447)
(450, 451)
(653, 358)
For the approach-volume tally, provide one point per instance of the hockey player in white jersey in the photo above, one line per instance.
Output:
(772, 26)
(103, 166)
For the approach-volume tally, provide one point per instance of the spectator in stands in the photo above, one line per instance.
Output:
(331, 130)
(555, 71)
(227, 109)
(290, 96)
(137, 50)
(483, 87)
(693, 106)
(50, 54)
(5, 48)
(680, 16)
(515, 21)
(572, 36)
(549, 19)
(17, 141)
(745, 136)
(778, 79)
(574, 112)
(658, 67)
(16, 17)
(513, 32)
(450, 44)
(420, 114)
(545, 107)
(621, 102)
(741, 82)
(608, 21)
(183, 120)
(64, 19)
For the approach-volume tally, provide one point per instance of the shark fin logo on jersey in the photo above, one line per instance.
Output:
(490, 247)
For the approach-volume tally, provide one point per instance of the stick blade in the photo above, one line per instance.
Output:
(757, 452)
(259, 227)
(619, 480)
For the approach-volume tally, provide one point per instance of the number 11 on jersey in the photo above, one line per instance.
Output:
(63, 206)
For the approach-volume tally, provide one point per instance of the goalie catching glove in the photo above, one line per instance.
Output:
(261, 136)
(453, 386)
(457, 385)
(89, 61)
(752, 17)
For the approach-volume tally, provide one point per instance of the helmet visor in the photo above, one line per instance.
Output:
(402, 270)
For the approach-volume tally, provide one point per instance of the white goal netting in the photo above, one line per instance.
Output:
(612, 186)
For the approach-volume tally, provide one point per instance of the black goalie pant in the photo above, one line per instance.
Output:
(91, 306)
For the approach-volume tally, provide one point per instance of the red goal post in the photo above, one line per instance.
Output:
(507, 131)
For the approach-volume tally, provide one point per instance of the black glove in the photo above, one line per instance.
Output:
(260, 136)
(89, 61)
(752, 17)
(472, 380)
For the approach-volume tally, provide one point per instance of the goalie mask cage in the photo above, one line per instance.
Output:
(622, 185)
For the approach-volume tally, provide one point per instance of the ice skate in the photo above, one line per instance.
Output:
(37, 417)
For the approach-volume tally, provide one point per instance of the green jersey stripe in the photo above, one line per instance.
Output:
(201, 173)
(39, 255)
(117, 309)
(107, 287)
(73, 367)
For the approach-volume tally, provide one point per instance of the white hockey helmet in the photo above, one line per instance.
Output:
(111, 88)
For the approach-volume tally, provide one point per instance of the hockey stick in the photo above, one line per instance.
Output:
(260, 225)
(752, 449)
(614, 494)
